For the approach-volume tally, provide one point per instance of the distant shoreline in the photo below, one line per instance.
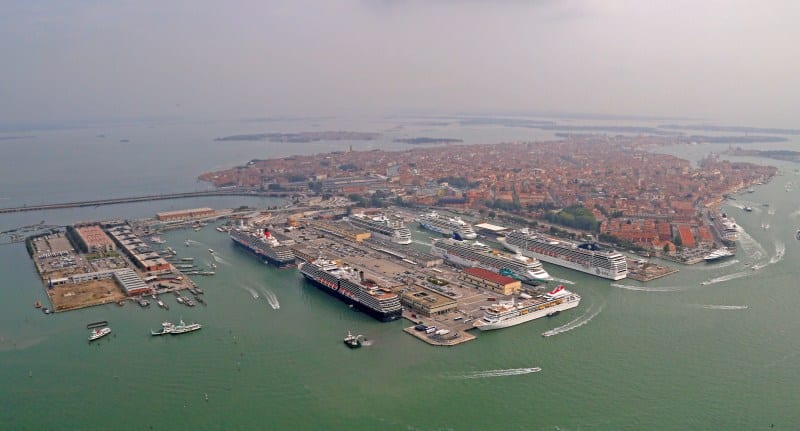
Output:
(426, 140)
(303, 137)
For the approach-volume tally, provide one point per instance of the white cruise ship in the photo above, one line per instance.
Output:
(392, 229)
(476, 254)
(587, 257)
(718, 254)
(505, 314)
(449, 226)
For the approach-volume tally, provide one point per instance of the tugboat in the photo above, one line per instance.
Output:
(352, 341)
(37, 304)
(99, 333)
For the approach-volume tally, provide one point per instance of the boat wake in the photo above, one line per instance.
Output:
(192, 242)
(252, 291)
(728, 277)
(496, 373)
(564, 281)
(722, 307)
(271, 298)
(750, 246)
(649, 289)
(724, 264)
(780, 251)
(585, 318)
(221, 260)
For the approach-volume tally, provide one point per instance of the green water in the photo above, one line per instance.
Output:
(666, 357)
(673, 354)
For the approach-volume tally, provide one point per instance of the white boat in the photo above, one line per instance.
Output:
(505, 314)
(450, 226)
(392, 229)
(211, 251)
(718, 254)
(173, 329)
(477, 254)
(585, 257)
(99, 333)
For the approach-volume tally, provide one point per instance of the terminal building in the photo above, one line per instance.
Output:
(491, 280)
(340, 230)
(182, 215)
(426, 302)
(92, 239)
(142, 255)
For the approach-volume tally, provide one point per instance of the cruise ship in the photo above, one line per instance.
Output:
(476, 254)
(264, 246)
(449, 226)
(392, 229)
(349, 285)
(728, 228)
(586, 257)
(505, 314)
(718, 254)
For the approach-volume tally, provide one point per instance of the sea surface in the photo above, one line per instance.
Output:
(713, 347)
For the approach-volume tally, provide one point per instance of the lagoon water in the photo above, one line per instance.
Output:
(713, 347)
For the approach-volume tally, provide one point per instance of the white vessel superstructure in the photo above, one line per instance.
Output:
(479, 255)
(447, 225)
(505, 314)
(392, 229)
(586, 257)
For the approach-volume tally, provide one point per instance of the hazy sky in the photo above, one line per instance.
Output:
(732, 62)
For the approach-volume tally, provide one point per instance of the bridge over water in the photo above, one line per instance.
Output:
(114, 201)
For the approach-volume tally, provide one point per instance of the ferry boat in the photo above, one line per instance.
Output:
(476, 254)
(352, 341)
(585, 257)
(392, 229)
(449, 226)
(718, 254)
(173, 329)
(505, 314)
(349, 285)
(265, 246)
(99, 333)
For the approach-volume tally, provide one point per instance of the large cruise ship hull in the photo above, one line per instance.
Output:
(462, 261)
(531, 315)
(265, 255)
(381, 316)
(588, 269)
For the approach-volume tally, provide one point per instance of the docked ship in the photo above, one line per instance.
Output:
(349, 285)
(505, 314)
(718, 254)
(173, 329)
(265, 246)
(99, 333)
(392, 229)
(450, 226)
(476, 254)
(727, 228)
(585, 257)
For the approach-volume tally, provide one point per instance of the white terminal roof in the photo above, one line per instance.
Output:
(491, 227)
